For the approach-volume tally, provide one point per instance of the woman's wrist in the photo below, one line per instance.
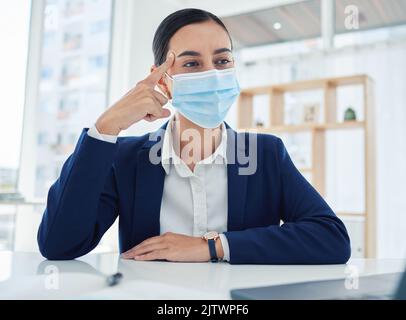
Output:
(105, 126)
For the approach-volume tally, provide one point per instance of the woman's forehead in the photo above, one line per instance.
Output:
(204, 38)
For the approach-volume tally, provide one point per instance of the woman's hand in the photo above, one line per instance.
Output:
(173, 247)
(141, 102)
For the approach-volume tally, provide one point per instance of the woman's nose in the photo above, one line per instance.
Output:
(208, 68)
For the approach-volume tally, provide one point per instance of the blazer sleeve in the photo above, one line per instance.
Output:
(310, 234)
(82, 204)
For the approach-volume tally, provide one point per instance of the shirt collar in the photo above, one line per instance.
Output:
(169, 156)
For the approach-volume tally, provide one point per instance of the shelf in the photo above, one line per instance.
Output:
(351, 214)
(342, 125)
(308, 127)
(309, 85)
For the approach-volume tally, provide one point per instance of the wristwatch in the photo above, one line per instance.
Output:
(211, 238)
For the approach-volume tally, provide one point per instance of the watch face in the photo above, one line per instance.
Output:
(211, 235)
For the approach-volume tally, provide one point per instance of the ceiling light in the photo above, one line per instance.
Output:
(277, 26)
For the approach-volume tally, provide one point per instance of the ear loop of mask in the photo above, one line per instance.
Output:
(170, 77)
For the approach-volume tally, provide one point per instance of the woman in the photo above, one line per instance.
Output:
(181, 193)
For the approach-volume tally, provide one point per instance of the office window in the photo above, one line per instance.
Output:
(72, 88)
(14, 33)
(14, 30)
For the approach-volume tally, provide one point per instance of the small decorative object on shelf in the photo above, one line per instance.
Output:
(311, 112)
(350, 114)
(259, 124)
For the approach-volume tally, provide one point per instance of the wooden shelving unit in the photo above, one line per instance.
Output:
(276, 94)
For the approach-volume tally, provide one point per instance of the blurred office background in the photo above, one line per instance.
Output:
(63, 62)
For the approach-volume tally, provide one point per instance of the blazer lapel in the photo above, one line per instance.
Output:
(237, 183)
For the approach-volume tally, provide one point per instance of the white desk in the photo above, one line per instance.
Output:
(29, 276)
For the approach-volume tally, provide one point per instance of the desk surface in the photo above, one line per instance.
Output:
(29, 276)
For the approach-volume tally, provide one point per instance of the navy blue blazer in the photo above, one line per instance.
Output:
(101, 181)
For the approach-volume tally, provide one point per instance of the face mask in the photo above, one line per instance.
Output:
(205, 97)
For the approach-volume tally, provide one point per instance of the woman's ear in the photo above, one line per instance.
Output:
(163, 84)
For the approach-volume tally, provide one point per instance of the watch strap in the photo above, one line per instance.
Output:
(212, 249)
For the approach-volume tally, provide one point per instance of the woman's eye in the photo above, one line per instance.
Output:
(190, 64)
(223, 61)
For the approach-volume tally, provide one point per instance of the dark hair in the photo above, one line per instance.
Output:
(172, 23)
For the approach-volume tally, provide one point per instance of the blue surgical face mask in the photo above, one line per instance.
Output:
(205, 97)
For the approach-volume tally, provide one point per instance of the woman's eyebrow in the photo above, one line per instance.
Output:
(197, 54)
(189, 53)
(221, 50)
